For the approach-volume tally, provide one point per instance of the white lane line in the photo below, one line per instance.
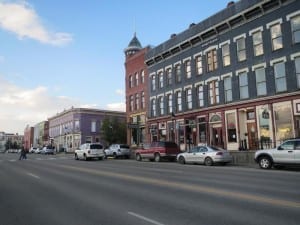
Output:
(32, 175)
(144, 218)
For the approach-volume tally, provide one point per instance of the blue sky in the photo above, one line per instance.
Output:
(55, 54)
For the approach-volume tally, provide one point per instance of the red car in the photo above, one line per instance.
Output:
(157, 151)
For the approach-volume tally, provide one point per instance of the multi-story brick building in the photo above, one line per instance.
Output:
(28, 137)
(41, 134)
(136, 92)
(71, 128)
(232, 80)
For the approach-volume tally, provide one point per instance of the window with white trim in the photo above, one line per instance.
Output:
(188, 72)
(228, 89)
(131, 103)
(169, 103)
(276, 36)
(93, 126)
(297, 66)
(226, 54)
(143, 76)
(130, 81)
(161, 79)
(153, 83)
(258, 43)
(295, 23)
(137, 101)
(153, 107)
(261, 85)
(178, 73)
(178, 101)
(136, 79)
(198, 63)
(280, 76)
(241, 49)
(214, 95)
(212, 61)
(143, 100)
(200, 96)
(161, 105)
(169, 76)
(243, 80)
(189, 99)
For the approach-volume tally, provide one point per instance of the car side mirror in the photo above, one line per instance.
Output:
(279, 148)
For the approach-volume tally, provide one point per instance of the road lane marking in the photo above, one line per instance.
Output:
(32, 175)
(190, 187)
(144, 218)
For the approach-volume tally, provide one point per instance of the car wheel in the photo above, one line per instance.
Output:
(138, 157)
(157, 157)
(76, 157)
(181, 160)
(85, 158)
(265, 162)
(208, 161)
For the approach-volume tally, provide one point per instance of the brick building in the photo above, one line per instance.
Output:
(136, 92)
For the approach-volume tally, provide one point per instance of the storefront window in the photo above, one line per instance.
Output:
(264, 125)
(181, 132)
(283, 121)
(202, 130)
(231, 127)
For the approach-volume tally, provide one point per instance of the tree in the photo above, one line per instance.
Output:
(113, 130)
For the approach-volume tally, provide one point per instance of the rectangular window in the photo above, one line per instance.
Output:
(202, 130)
(153, 107)
(280, 77)
(276, 36)
(199, 68)
(226, 55)
(258, 43)
(136, 79)
(231, 127)
(243, 79)
(241, 49)
(161, 79)
(261, 85)
(153, 83)
(169, 76)
(228, 89)
(297, 66)
(142, 77)
(130, 81)
(169, 102)
(178, 73)
(189, 100)
(161, 106)
(93, 126)
(188, 69)
(214, 92)
(77, 125)
(137, 100)
(143, 100)
(212, 63)
(200, 96)
(131, 103)
(295, 22)
(179, 101)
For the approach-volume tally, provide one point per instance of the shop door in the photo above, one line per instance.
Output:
(217, 137)
(252, 136)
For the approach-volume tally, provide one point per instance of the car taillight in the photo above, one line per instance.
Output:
(219, 153)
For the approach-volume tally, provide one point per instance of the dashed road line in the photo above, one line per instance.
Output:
(145, 218)
(33, 175)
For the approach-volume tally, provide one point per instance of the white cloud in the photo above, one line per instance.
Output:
(21, 19)
(120, 92)
(117, 106)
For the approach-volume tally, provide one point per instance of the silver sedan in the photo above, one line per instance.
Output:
(207, 155)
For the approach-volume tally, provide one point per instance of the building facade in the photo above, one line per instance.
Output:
(13, 140)
(71, 128)
(232, 80)
(136, 93)
(28, 137)
(41, 134)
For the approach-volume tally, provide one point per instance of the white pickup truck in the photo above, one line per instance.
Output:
(90, 151)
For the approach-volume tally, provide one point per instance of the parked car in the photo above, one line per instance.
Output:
(32, 150)
(118, 150)
(157, 151)
(90, 151)
(207, 155)
(286, 154)
(47, 150)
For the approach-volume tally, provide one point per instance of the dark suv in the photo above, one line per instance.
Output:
(157, 151)
(288, 153)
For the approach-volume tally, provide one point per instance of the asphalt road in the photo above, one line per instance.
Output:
(57, 190)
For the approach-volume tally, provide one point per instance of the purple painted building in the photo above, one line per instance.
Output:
(71, 128)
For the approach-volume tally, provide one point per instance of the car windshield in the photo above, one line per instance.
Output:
(124, 146)
(96, 146)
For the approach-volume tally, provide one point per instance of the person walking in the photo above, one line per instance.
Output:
(23, 154)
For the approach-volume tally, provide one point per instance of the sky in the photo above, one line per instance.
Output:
(58, 54)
